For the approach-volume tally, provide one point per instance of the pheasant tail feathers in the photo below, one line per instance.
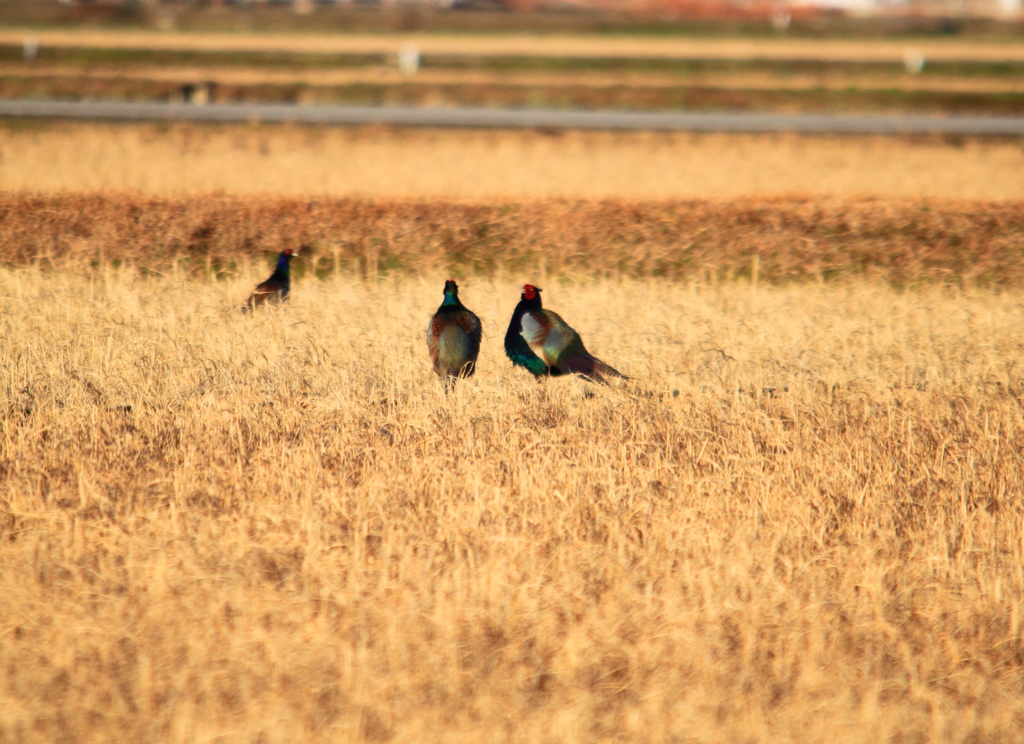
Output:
(590, 367)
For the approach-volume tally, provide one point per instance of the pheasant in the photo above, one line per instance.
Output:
(546, 345)
(275, 289)
(453, 338)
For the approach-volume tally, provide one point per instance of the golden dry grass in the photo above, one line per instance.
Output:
(532, 44)
(276, 528)
(480, 165)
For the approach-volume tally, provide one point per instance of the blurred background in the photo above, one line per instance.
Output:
(885, 57)
(934, 56)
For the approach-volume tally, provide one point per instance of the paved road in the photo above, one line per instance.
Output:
(518, 118)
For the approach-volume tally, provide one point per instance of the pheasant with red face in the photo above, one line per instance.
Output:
(276, 288)
(453, 338)
(546, 345)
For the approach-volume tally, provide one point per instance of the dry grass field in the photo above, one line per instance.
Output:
(961, 96)
(1001, 50)
(903, 243)
(497, 165)
(959, 76)
(801, 521)
(94, 76)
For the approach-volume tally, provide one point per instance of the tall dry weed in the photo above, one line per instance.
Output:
(902, 242)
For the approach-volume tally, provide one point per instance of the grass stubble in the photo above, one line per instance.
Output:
(801, 522)
(494, 165)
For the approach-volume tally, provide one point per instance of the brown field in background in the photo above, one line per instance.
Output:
(98, 74)
(533, 44)
(902, 243)
(800, 522)
(477, 165)
(961, 96)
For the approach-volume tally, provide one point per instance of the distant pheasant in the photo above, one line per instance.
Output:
(453, 338)
(275, 289)
(544, 344)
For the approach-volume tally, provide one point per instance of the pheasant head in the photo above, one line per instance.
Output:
(284, 258)
(451, 293)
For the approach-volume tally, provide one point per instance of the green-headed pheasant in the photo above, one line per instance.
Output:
(453, 338)
(276, 288)
(546, 345)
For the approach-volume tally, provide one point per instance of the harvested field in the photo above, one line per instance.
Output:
(619, 71)
(631, 96)
(536, 45)
(244, 77)
(495, 165)
(802, 521)
(797, 240)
